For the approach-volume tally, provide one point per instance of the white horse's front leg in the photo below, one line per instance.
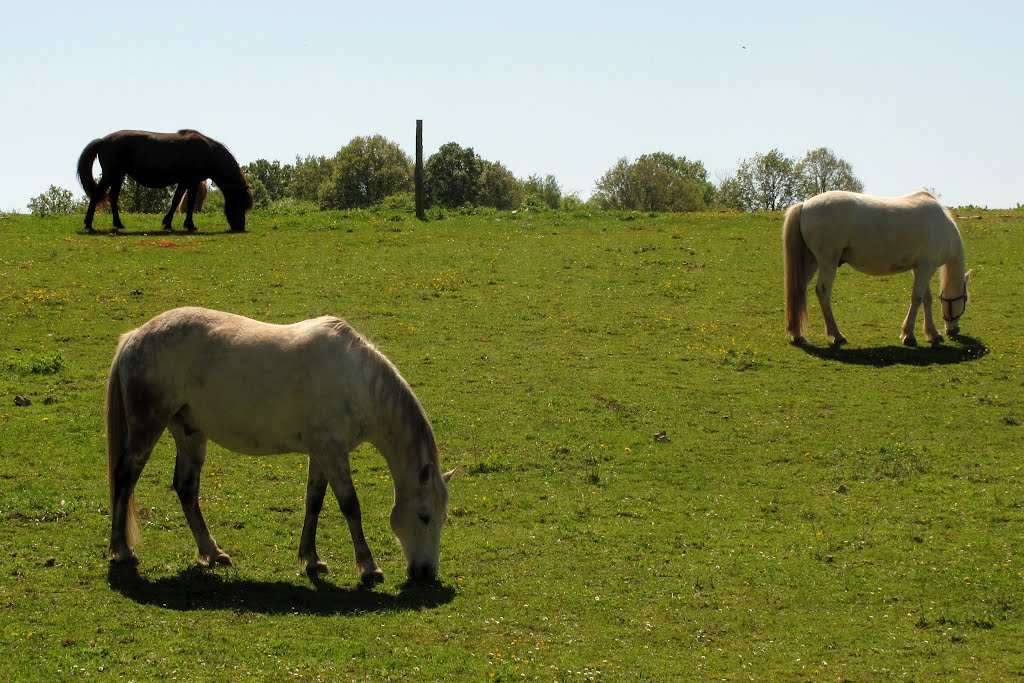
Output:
(334, 462)
(826, 277)
(931, 333)
(316, 488)
(920, 294)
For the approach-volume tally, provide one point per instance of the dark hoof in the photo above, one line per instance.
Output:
(372, 578)
(319, 568)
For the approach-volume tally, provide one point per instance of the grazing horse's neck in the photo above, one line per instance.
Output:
(404, 437)
(952, 278)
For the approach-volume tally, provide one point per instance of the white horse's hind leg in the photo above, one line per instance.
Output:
(826, 278)
(187, 468)
(138, 446)
(333, 460)
(316, 489)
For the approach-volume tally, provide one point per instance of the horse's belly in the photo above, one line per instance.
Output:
(883, 266)
(250, 428)
(255, 443)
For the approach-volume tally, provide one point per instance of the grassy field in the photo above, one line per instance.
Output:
(809, 514)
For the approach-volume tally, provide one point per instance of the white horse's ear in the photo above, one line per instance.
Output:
(447, 476)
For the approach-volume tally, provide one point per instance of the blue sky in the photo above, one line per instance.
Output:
(912, 94)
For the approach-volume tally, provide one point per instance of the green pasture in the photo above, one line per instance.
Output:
(808, 514)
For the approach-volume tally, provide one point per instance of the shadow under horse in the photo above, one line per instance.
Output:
(200, 588)
(185, 159)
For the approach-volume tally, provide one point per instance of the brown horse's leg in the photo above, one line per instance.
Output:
(188, 466)
(101, 191)
(179, 192)
(190, 205)
(316, 489)
(115, 193)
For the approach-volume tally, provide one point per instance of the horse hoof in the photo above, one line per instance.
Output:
(317, 568)
(798, 341)
(372, 577)
(125, 559)
(838, 341)
(219, 557)
(909, 341)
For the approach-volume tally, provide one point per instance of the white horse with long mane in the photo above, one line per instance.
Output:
(315, 387)
(876, 236)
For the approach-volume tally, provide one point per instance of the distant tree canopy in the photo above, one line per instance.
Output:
(364, 172)
(269, 180)
(137, 198)
(655, 182)
(821, 170)
(452, 176)
(370, 169)
(55, 201)
(773, 181)
(544, 190)
(499, 187)
(307, 176)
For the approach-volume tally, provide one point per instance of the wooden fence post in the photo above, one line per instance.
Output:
(418, 176)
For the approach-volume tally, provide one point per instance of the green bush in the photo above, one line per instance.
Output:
(54, 202)
(364, 172)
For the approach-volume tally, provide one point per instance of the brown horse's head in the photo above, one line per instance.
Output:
(237, 202)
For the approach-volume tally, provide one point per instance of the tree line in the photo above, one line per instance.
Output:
(372, 169)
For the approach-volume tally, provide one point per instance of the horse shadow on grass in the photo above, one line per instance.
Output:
(158, 233)
(962, 349)
(200, 588)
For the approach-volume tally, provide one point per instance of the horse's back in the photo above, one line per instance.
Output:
(878, 235)
(253, 387)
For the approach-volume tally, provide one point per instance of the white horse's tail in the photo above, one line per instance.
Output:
(117, 432)
(799, 268)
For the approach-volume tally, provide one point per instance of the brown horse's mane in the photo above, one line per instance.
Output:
(230, 175)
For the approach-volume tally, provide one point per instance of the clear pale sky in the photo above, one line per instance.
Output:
(912, 94)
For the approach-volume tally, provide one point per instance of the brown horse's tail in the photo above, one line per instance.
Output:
(799, 268)
(117, 434)
(85, 162)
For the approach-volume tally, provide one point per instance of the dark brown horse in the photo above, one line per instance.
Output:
(160, 159)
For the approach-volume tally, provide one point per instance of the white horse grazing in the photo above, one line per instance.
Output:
(314, 387)
(877, 236)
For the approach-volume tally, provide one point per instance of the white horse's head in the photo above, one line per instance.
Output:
(417, 517)
(953, 308)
